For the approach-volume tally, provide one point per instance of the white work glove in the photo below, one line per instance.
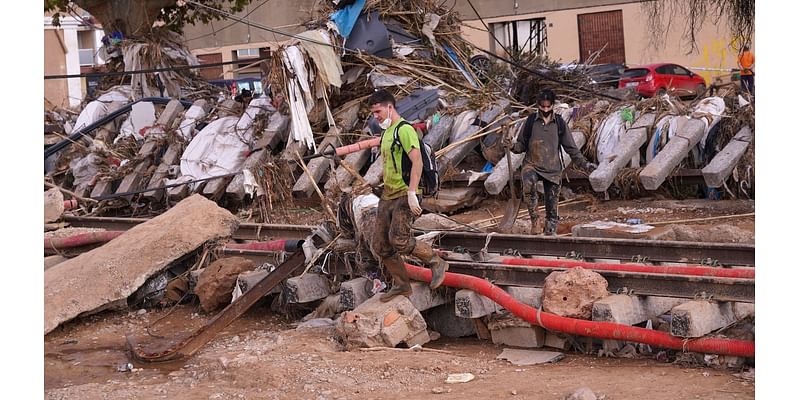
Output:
(413, 203)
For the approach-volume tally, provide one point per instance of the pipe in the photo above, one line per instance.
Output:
(81, 239)
(70, 204)
(289, 245)
(89, 238)
(596, 329)
(352, 148)
(695, 270)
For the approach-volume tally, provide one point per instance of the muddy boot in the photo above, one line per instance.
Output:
(437, 265)
(401, 284)
(550, 228)
(536, 226)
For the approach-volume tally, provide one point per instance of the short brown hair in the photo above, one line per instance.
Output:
(381, 96)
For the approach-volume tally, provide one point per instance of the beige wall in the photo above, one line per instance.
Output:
(55, 90)
(283, 15)
(713, 41)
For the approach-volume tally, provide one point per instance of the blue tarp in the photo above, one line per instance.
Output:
(347, 16)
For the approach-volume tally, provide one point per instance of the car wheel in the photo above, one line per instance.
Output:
(661, 92)
(700, 91)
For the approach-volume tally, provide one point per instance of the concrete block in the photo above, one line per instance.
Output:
(170, 112)
(307, 287)
(698, 318)
(423, 298)
(374, 175)
(134, 180)
(470, 304)
(516, 332)
(247, 280)
(450, 200)
(617, 230)
(689, 132)
(316, 167)
(556, 341)
(439, 133)
(291, 151)
(721, 166)
(343, 178)
(453, 157)
(527, 295)
(354, 292)
(442, 319)
(631, 310)
(625, 150)
(375, 323)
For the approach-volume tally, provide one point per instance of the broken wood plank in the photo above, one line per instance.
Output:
(107, 275)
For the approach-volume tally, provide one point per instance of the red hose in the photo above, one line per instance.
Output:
(697, 270)
(81, 239)
(600, 330)
(275, 245)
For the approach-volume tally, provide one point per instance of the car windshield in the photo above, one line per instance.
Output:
(635, 73)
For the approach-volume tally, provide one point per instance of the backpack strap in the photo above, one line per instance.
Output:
(396, 142)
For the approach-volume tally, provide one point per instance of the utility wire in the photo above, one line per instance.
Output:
(147, 71)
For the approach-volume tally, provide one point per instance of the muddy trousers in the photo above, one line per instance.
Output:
(393, 239)
(531, 196)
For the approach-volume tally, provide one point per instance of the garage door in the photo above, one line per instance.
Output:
(210, 73)
(602, 30)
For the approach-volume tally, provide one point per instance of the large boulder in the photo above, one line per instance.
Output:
(216, 282)
(571, 293)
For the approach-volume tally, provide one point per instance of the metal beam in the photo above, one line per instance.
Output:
(621, 249)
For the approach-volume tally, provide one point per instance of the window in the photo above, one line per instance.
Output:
(522, 36)
(664, 70)
(86, 47)
(244, 53)
(681, 71)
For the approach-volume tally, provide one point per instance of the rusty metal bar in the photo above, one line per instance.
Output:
(169, 350)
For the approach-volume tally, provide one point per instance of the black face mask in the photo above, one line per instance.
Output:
(546, 114)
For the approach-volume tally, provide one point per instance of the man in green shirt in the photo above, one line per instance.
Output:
(399, 203)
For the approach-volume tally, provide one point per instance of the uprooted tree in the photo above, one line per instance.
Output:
(663, 14)
(146, 34)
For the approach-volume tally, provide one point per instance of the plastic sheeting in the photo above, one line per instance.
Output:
(105, 104)
(193, 114)
(346, 18)
(300, 100)
(142, 115)
(84, 169)
(665, 129)
(608, 135)
(328, 63)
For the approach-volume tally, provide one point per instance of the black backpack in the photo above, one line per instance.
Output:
(429, 181)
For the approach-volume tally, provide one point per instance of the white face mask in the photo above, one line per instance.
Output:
(385, 124)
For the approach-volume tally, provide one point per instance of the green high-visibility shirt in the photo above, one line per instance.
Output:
(393, 185)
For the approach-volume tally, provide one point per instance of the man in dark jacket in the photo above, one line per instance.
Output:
(541, 139)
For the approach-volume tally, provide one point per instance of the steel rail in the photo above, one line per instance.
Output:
(621, 249)
(559, 246)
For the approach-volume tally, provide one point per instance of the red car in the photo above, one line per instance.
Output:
(658, 79)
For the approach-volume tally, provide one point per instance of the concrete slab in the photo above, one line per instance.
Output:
(527, 295)
(307, 287)
(423, 298)
(513, 331)
(616, 230)
(528, 357)
(110, 273)
(443, 320)
(698, 318)
(354, 292)
(470, 304)
(721, 166)
(626, 149)
(631, 310)
(451, 200)
(689, 132)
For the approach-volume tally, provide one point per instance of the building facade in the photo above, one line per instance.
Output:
(574, 30)
(71, 48)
